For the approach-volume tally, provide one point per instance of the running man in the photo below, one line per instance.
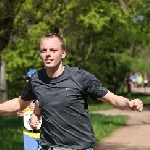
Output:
(62, 92)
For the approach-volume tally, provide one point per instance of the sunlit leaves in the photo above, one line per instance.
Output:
(99, 36)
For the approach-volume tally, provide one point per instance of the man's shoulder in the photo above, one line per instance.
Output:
(78, 73)
(70, 67)
(76, 70)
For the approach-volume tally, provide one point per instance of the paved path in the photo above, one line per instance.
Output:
(134, 136)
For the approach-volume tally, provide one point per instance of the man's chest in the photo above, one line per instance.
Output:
(62, 93)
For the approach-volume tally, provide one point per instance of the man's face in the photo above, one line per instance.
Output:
(51, 52)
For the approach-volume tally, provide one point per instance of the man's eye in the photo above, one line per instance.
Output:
(43, 51)
(53, 50)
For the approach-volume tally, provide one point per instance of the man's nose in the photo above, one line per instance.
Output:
(48, 53)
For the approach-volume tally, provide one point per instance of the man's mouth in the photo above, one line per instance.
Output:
(48, 60)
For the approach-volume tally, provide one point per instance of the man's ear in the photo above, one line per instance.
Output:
(64, 54)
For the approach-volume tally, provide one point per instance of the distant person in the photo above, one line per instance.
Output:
(145, 82)
(134, 79)
(139, 80)
(31, 137)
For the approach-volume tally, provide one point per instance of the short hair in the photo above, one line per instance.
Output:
(51, 35)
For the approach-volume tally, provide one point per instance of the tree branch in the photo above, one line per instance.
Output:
(122, 5)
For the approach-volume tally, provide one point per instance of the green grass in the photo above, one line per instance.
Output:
(99, 106)
(11, 136)
(104, 126)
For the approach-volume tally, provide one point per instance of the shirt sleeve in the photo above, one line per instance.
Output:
(27, 93)
(94, 88)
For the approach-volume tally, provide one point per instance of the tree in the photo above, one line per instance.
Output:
(100, 36)
(8, 11)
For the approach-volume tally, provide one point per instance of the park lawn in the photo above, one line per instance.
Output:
(104, 126)
(11, 129)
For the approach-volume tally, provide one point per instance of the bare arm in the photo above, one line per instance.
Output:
(13, 106)
(21, 112)
(37, 109)
(121, 102)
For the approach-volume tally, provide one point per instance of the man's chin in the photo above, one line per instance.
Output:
(49, 66)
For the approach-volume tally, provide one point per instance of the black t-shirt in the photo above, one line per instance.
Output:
(65, 118)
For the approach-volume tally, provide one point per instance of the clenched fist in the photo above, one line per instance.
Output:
(136, 104)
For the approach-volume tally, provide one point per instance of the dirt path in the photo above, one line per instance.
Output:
(134, 136)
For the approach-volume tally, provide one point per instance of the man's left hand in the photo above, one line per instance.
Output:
(136, 104)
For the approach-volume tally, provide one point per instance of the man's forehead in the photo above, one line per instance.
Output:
(50, 42)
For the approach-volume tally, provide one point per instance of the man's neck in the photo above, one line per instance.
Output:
(55, 71)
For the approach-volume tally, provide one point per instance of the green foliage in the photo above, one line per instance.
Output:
(100, 37)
